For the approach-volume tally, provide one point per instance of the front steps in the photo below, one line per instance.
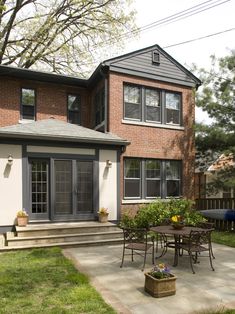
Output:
(63, 234)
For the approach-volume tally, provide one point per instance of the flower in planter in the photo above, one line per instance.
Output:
(160, 271)
(178, 221)
(22, 213)
(103, 211)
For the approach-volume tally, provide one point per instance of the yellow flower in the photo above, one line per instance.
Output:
(174, 218)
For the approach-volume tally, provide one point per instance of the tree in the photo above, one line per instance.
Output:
(217, 98)
(62, 36)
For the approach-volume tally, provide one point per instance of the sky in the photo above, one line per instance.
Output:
(214, 20)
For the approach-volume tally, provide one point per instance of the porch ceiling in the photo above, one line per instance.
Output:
(56, 130)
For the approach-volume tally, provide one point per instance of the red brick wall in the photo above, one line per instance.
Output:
(154, 142)
(51, 101)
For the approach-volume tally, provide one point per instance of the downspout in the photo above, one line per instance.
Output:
(106, 98)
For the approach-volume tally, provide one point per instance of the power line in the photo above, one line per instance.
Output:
(199, 38)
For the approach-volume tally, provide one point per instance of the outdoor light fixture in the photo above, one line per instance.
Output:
(108, 163)
(10, 160)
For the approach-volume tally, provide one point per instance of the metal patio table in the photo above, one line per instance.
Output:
(178, 234)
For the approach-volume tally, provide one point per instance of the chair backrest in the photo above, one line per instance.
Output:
(135, 235)
(200, 237)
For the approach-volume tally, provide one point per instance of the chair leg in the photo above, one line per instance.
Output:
(132, 256)
(123, 253)
(211, 254)
(191, 261)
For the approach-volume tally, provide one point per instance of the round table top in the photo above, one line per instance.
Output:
(169, 229)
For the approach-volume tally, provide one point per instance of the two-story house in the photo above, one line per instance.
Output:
(69, 146)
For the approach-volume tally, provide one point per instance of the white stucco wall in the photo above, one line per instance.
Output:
(108, 182)
(10, 183)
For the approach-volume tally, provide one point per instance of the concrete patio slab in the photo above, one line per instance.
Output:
(123, 288)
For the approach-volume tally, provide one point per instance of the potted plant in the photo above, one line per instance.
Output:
(159, 282)
(103, 214)
(22, 218)
(178, 222)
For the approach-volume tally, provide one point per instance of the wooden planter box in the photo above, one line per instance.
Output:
(160, 287)
(103, 218)
(22, 221)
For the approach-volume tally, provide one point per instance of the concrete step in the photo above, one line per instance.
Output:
(64, 244)
(64, 228)
(63, 238)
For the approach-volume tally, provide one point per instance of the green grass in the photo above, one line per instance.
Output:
(226, 238)
(219, 311)
(44, 281)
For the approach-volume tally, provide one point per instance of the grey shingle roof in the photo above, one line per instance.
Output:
(56, 130)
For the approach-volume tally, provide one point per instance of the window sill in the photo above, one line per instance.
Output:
(25, 121)
(155, 125)
(138, 201)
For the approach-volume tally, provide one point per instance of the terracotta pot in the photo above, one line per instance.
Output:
(160, 287)
(103, 217)
(22, 221)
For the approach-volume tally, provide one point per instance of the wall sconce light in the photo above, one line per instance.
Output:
(108, 163)
(10, 160)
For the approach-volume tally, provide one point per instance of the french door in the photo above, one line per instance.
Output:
(61, 189)
(73, 189)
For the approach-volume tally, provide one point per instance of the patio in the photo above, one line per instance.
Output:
(123, 288)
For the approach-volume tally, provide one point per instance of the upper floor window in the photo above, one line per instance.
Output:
(132, 96)
(74, 109)
(151, 178)
(99, 107)
(152, 105)
(28, 102)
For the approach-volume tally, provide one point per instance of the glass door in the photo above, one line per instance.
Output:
(39, 189)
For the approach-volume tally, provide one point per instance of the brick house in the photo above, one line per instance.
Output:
(69, 146)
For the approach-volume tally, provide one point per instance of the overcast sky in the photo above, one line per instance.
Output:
(217, 19)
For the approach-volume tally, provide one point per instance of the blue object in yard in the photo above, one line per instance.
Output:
(222, 214)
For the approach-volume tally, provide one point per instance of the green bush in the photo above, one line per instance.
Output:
(161, 211)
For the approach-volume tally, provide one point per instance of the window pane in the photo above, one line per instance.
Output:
(152, 98)
(152, 169)
(172, 101)
(28, 97)
(173, 188)
(74, 117)
(132, 188)
(172, 116)
(74, 102)
(153, 188)
(28, 103)
(132, 111)
(153, 114)
(172, 170)
(132, 94)
(132, 168)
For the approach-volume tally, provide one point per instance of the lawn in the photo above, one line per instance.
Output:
(226, 238)
(44, 281)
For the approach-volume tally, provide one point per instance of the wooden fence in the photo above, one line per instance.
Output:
(218, 203)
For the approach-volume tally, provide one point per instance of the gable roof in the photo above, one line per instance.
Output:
(56, 130)
(140, 63)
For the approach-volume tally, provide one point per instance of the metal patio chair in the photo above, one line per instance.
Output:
(138, 242)
(197, 243)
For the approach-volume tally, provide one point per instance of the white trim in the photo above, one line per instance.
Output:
(60, 150)
(155, 125)
(136, 201)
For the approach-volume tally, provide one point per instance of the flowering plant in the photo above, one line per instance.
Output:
(177, 219)
(22, 213)
(160, 271)
(103, 211)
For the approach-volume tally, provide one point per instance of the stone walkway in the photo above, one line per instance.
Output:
(123, 288)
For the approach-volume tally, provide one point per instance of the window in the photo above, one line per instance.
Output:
(132, 178)
(74, 104)
(173, 108)
(99, 107)
(132, 102)
(28, 103)
(151, 178)
(152, 105)
(172, 178)
(152, 101)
